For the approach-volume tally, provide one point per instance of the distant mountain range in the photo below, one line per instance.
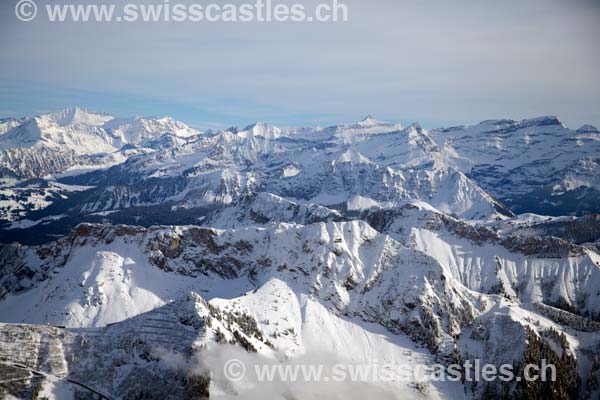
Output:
(76, 164)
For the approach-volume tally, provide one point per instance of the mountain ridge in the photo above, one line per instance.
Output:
(156, 252)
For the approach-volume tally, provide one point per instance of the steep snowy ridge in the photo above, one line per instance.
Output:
(348, 268)
(139, 130)
(7, 124)
(536, 269)
(151, 355)
(336, 262)
(78, 116)
(266, 208)
(362, 130)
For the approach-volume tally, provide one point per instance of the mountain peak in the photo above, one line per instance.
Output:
(78, 116)
(353, 156)
(263, 129)
(139, 129)
(370, 121)
(588, 129)
(546, 120)
(257, 125)
(416, 126)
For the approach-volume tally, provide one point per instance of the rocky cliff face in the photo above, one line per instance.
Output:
(348, 269)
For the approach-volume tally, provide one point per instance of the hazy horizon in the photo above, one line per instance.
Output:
(436, 63)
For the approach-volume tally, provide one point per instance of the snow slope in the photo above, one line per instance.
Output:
(324, 287)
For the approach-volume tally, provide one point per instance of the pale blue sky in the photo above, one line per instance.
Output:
(432, 61)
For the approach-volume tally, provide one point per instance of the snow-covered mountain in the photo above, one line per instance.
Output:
(54, 142)
(7, 124)
(163, 163)
(141, 255)
(535, 165)
(323, 287)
